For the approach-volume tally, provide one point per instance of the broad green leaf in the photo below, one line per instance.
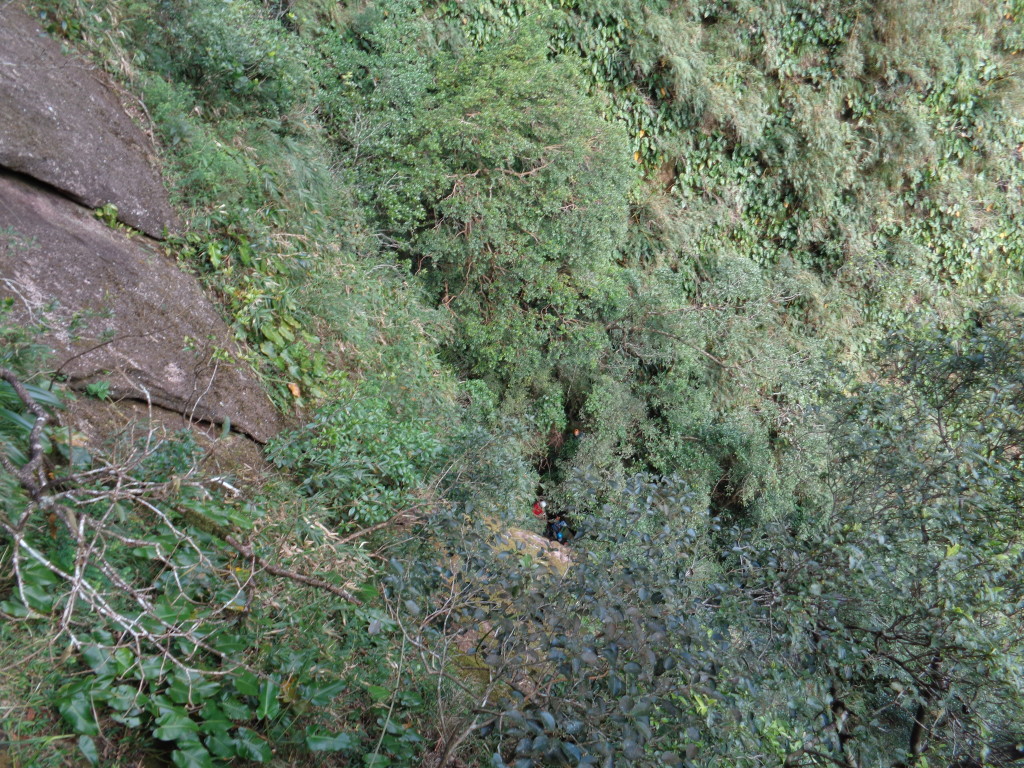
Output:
(221, 745)
(269, 705)
(251, 747)
(213, 720)
(99, 659)
(247, 684)
(77, 712)
(235, 709)
(325, 742)
(322, 695)
(175, 724)
(192, 756)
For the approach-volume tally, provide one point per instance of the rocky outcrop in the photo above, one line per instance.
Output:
(556, 557)
(97, 424)
(121, 312)
(116, 309)
(62, 125)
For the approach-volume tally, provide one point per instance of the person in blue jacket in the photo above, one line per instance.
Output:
(558, 528)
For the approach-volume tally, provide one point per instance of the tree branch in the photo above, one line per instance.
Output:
(246, 551)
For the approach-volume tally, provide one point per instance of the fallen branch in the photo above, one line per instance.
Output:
(718, 361)
(246, 551)
(96, 583)
(377, 526)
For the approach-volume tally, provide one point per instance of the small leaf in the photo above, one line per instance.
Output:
(268, 706)
(251, 747)
(572, 752)
(88, 748)
(192, 756)
(325, 742)
(410, 699)
(377, 693)
(322, 695)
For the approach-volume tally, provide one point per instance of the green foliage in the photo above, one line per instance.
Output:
(21, 356)
(16, 423)
(259, 290)
(877, 623)
(772, 572)
(98, 389)
(232, 54)
(167, 619)
(178, 636)
(107, 214)
(608, 645)
(382, 328)
(498, 181)
(19, 350)
(819, 129)
(489, 470)
(902, 591)
(204, 716)
(361, 456)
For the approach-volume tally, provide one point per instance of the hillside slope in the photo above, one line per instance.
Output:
(734, 286)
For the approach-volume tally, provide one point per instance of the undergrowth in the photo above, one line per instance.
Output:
(613, 251)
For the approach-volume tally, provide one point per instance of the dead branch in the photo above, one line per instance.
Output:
(246, 551)
(377, 526)
(95, 583)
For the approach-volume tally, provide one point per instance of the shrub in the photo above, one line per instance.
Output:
(361, 456)
(494, 175)
(234, 57)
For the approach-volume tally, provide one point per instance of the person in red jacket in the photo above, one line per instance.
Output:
(539, 507)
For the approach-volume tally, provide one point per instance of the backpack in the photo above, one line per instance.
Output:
(557, 530)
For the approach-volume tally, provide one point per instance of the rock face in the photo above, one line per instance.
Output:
(116, 309)
(556, 557)
(95, 421)
(123, 313)
(60, 124)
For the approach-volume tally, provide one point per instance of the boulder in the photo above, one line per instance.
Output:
(103, 427)
(61, 124)
(554, 556)
(120, 311)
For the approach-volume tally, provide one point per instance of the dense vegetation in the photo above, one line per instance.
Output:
(735, 283)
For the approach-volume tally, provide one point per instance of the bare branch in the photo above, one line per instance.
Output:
(377, 526)
(246, 551)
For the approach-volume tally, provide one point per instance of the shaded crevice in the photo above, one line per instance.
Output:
(49, 189)
(208, 426)
(201, 423)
